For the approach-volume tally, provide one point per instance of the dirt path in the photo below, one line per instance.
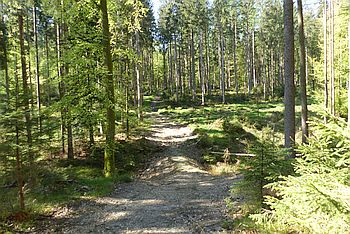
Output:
(173, 195)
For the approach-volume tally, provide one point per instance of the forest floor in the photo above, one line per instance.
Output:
(172, 194)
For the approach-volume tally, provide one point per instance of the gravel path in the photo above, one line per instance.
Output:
(173, 195)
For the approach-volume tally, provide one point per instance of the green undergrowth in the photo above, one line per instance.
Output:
(56, 184)
(59, 182)
(249, 127)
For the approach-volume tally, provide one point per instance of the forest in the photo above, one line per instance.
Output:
(174, 116)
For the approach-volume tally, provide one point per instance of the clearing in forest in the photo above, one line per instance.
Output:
(174, 194)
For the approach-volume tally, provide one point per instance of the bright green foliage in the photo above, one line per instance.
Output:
(267, 164)
(317, 199)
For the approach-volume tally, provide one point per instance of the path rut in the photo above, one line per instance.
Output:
(173, 195)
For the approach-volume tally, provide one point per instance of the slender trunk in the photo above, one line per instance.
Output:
(201, 66)
(25, 87)
(193, 79)
(207, 56)
(19, 165)
(4, 46)
(48, 70)
(109, 160)
(222, 65)
(325, 53)
(70, 140)
(349, 76)
(66, 110)
(127, 69)
(30, 88)
(164, 69)
(248, 60)
(253, 57)
(171, 82)
(289, 90)
(264, 78)
(176, 67)
(235, 56)
(37, 78)
(60, 86)
(303, 95)
(332, 59)
(138, 77)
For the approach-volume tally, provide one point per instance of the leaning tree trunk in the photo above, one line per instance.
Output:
(303, 95)
(109, 160)
(289, 89)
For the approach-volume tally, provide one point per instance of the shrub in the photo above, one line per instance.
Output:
(317, 198)
(266, 166)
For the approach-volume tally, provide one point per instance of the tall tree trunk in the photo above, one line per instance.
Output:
(109, 160)
(332, 59)
(48, 70)
(235, 56)
(303, 95)
(70, 139)
(253, 57)
(138, 77)
(171, 81)
(4, 46)
(207, 57)
(349, 76)
(176, 70)
(28, 39)
(37, 78)
(289, 89)
(60, 85)
(325, 54)
(27, 116)
(201, 66)
(193, 79)
(222, 41)
(165, 84)
(19, 165)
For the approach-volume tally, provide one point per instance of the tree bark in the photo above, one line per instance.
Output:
(60, 85)
(37, 78)
(332, 59)
(289, 89)
(138, 77)
(176, 70)
(109, 160)
(19, 165)
(193, 79)
(222, 45)
(4, 45)
(235, 56)
(349, 77)
(303, 95)
(27, 116)
(325, 52)
(201, 66)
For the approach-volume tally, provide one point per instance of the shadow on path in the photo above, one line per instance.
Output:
(173, 195)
